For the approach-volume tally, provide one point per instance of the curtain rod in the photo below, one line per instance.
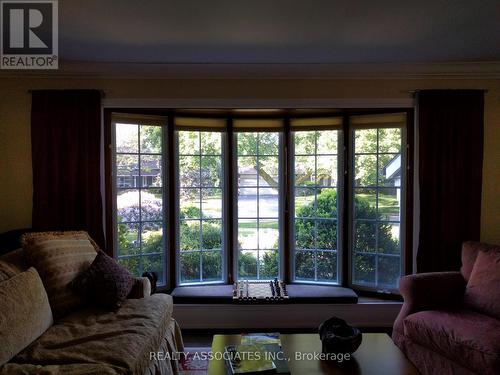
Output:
(30, 91)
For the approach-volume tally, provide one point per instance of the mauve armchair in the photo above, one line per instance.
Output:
(438, 332)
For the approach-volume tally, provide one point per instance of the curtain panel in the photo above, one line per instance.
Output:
(66, 159)
(450, 137)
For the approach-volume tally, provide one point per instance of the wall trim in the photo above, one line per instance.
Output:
(234, 316)
(257, 103)
(123, 70)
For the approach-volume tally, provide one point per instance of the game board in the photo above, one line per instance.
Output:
(260, 290)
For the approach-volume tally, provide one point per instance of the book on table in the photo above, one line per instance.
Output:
(258, 353)
(248, 359)
(261, 338)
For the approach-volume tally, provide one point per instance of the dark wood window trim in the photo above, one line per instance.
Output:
(229, 159)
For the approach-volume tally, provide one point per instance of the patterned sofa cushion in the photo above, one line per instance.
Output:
(12, 264)
(120, 341)
(59, 257)
(105, 283)
(24, 313)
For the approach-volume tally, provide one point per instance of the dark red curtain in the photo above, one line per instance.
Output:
(450, 137)
(66, 153)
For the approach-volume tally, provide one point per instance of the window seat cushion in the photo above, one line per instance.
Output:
(298, 294)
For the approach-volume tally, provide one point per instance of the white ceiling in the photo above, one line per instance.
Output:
(279, 31)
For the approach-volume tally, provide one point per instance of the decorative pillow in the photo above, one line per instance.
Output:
(24, 313)
(483, 289)
(105, 283)
(58, 258)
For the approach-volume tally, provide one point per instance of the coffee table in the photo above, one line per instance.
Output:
(377, 355)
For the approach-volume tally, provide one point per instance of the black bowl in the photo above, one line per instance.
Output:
(339, 337)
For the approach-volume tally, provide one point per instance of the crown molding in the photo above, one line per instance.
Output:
(112, 70)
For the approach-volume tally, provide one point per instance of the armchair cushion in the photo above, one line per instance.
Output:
(470, 251)
(483, 291)
(466, 337)
(428, 291)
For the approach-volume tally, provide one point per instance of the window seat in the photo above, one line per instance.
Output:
(298, 293)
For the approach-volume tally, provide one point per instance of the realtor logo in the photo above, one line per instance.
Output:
(29, 34)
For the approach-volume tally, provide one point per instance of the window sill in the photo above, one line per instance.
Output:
(299, 294)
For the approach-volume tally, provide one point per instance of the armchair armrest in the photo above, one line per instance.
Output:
(141, 288)
(429, 291)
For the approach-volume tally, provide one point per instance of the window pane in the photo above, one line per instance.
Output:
(304, 265)
(127, 138)
(305, 167)
(151, 205)
(305, 230)
(326, 171)
(327, 266)
(365, 203)
(190, 235)
(268, 143)
(327, 142)
(389, 140)
(377, 210)
(139, 198)
(150, 170)
(154, 263)
(190, 203)
(127, 171)
(305, 143)
(326, 234)
(247, 143)
(389, 271)
(211, 171)
(212, 234)
(365, 170)
(152, 238)
(247, 234)
(189, 171)
(189, 143)
(201, 197)
(268, 202)
(127, 204)
(365, 233)
(151, 139)
(388, 204)
(269, 264)
(212, 265)
(316, 207)
(365, 141)
(128, 239)
(304, 201)
(247, 268)
(258, 204)
(211, 143)
(388, 238)
(212, 203)
(268, 234)
(247, 171)
(247, 202)
(190, 266)
(364, 269)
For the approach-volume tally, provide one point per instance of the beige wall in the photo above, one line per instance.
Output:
(15, 155)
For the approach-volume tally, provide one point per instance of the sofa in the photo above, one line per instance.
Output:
(450, 321)
(140, 337)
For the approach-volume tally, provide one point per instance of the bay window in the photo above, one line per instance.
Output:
(215, 198)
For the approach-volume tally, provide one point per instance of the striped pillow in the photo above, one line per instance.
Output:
(59, 257)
